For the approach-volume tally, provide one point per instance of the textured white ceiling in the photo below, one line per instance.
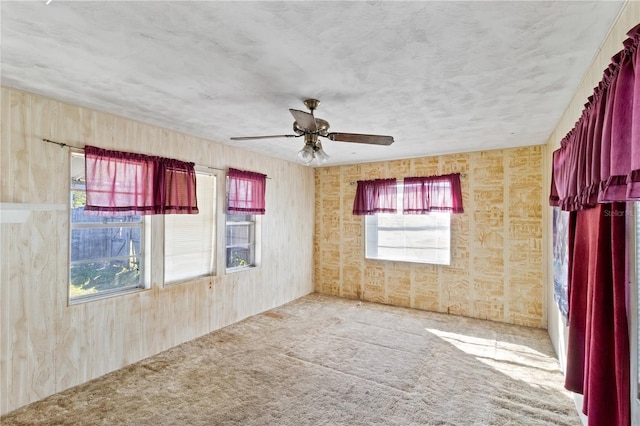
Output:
(440, 77)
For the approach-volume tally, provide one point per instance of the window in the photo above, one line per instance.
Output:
(421, 238)
(106, 253)
(241, 241)
(245, 204)
(189, 238)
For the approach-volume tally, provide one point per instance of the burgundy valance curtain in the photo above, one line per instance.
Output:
(124, 183)
(375, 196)
(599, 159)
(246, 194)
(422, 195)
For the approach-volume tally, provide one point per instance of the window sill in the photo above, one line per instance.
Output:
(190, 280)
(435, 262)
(240, 269)
(89, 298)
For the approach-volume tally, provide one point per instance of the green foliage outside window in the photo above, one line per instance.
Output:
(237, 261)
(95, 277)
(79, 199)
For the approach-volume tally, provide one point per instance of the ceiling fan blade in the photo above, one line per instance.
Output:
(360, 138)
(246, 138)
(304, 119)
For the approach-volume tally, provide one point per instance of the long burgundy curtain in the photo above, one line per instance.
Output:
(422, 195)
(595, 172)
(598, 346)
(375, 196)
(246, 192)
(124, 183)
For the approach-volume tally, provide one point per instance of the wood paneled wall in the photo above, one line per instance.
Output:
(496, 269)
(47, 346)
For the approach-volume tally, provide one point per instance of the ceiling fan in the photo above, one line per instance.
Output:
(307, 125)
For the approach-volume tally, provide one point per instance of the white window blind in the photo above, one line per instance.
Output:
(188, 238)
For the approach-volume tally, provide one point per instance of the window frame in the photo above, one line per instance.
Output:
(251, 221)
(143, 256)
(371, 225)
(256, 237)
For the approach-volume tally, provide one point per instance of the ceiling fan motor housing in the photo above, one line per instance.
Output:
(322, 125)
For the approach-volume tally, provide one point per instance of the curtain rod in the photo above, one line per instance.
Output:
(462, 175)
(62, 145)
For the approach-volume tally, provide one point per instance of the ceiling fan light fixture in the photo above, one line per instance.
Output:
(305, 155)
(320, 154)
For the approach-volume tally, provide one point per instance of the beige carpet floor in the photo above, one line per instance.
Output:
(326, 361)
